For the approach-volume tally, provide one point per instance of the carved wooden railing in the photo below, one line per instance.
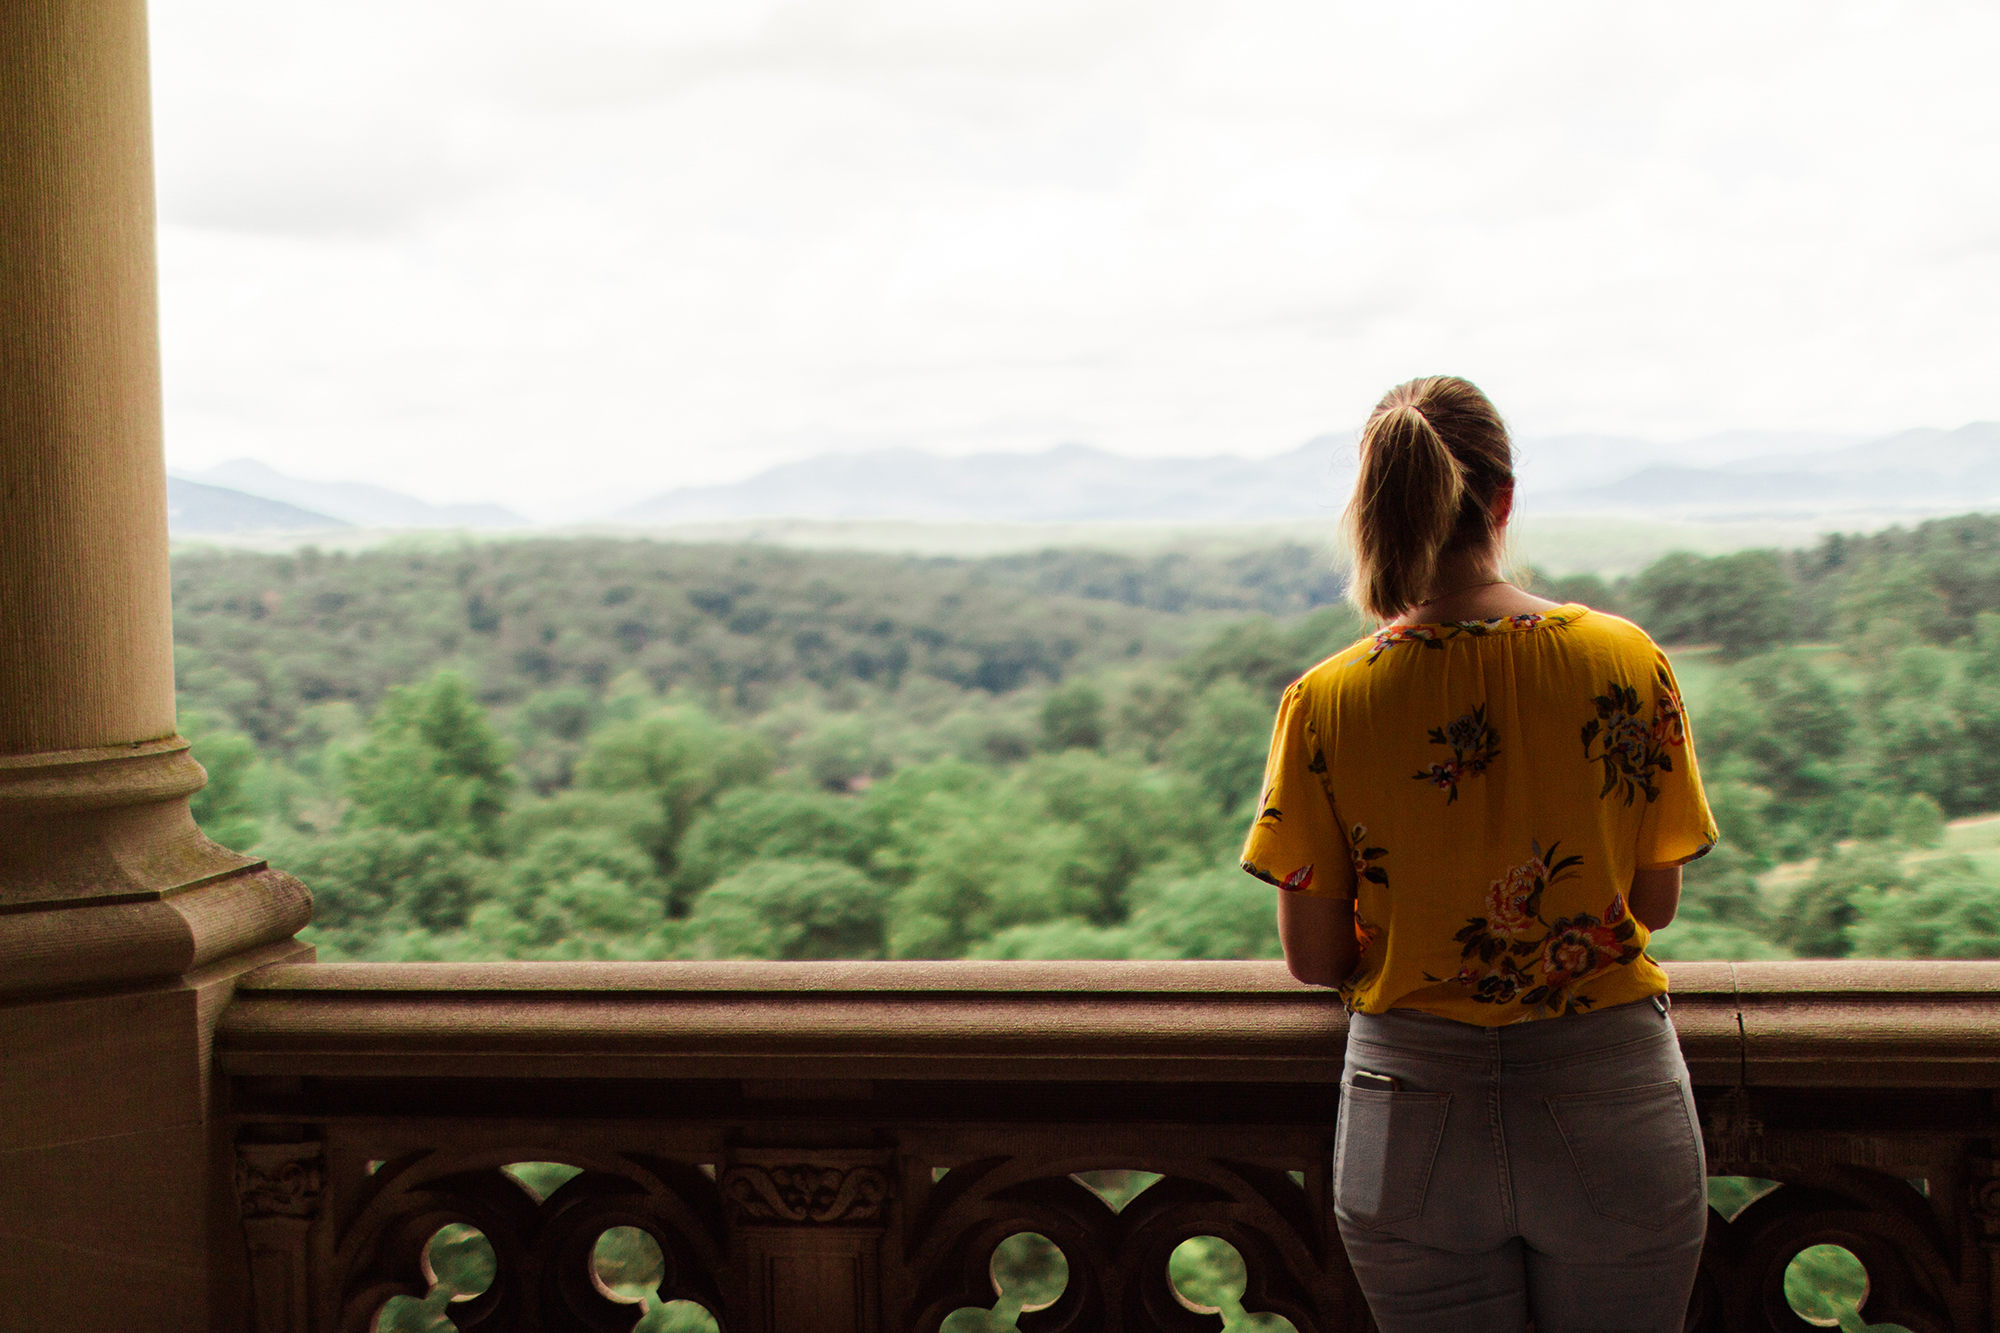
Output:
(843, 1146)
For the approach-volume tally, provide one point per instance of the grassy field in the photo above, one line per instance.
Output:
(1700, 670)
(1977, 839)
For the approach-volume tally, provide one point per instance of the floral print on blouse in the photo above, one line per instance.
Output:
(1474, 746)
(1434, 774)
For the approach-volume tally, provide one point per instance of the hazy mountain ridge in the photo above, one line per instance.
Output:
(193, 507)
(1915, 471)
(354, 502)
(1550, 463)
(1730, 475)
(1736, 476)
(1069, 483)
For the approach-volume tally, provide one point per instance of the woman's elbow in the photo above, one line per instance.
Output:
(1318, 938)
(1656, 896)
(1315, 971)
(1657, 918)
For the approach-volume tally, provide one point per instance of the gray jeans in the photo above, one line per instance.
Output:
(1548, 1170)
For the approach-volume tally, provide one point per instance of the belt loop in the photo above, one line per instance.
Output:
(1662, 1003)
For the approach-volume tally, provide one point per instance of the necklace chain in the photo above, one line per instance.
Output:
(1452, 592)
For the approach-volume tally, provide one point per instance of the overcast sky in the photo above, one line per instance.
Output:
(563, 254)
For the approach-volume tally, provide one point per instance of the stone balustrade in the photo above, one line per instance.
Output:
(843, 1146)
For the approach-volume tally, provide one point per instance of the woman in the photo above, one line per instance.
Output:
(1477, 816)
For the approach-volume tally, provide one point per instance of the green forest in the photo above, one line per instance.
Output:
(628, 749)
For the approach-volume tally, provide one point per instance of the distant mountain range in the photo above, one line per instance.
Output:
(1914, 472)
(194, 509)
(1067, 484)
(1551, 464)
(347, 503)
(1737, 476)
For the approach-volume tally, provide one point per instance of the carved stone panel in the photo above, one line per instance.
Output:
(807, 1230)
(806, 1192)
(280, 1179)
(278, 1189)
(1985, 1198)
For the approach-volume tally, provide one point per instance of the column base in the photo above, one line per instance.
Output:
(106, 881)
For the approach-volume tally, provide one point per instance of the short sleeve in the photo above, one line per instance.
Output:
(1677, 826)
(1296, 842)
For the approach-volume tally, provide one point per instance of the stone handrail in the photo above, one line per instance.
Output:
(842, 1146)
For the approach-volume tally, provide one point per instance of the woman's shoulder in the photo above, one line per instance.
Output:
(1611, 631)
(1329, 672)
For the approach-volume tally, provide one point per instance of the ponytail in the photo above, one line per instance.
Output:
(1433, 454)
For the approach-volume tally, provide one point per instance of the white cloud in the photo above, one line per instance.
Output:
(544, 253)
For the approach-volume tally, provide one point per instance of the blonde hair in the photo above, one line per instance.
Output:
(1433, 456)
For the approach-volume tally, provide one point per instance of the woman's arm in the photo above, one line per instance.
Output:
(1318, 935)
(1656, 896)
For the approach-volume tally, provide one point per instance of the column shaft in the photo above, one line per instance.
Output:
(122, 928)
(86, 633)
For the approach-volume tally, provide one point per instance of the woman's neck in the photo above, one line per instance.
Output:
(1469, 585)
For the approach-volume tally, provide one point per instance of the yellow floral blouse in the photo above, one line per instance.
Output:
(1484, 790)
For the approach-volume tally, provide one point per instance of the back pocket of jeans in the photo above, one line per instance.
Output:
(1383, 1153)
(1635, 1150)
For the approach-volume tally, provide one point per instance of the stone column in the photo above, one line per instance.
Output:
(121, 926)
